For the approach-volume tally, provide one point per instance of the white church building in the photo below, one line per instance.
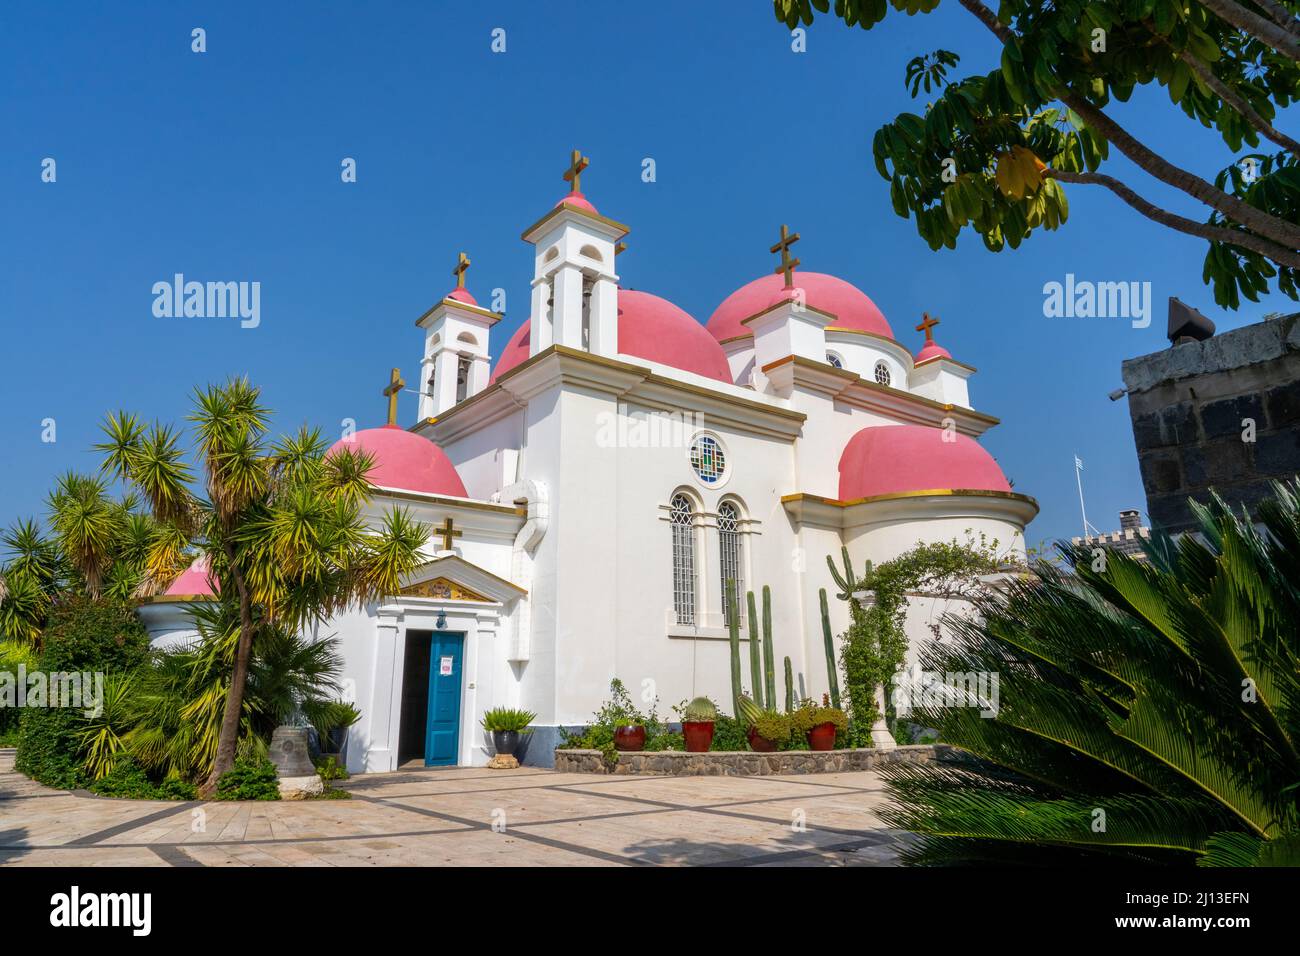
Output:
(590, 495)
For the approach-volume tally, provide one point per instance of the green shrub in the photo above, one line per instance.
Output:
(729, 734)
(502, 719)
(330, 769)
(128, 780)
(81, 636)
(249, 779)
(666, 741)
(774, 726)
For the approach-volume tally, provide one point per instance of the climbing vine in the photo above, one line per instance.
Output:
(873, 649)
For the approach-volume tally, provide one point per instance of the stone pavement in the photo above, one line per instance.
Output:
(467, 817)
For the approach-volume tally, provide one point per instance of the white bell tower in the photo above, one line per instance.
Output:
(456, 365)
(575, 289)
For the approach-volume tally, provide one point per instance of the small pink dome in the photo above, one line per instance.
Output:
(192, 581)
(650, 328)
(461, 294)
(405, 461)
(577, 200)
(932, 350)
(888, 459)
(849, 304)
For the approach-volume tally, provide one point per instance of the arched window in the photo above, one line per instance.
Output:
(882, 373)
(683, 525)
(730, 544)
(462, 378)
(834, 361)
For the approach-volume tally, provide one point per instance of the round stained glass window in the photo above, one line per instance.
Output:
(834, 360)
(708, 460)
(882, 373)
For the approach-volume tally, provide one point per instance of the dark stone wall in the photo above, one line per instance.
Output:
(1188, 403)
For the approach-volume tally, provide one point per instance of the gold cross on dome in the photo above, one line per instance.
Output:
(395, 385)
(787, 264)
(462, 264)
(927, 326)
(573, 174)
(447, 532)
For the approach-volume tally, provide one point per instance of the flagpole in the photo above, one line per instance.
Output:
(1078, 477)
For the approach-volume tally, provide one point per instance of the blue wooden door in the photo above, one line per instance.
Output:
(442, 735)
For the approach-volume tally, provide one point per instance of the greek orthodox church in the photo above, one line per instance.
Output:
(590, 495)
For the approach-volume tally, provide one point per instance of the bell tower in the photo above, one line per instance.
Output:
(456, 363)
(575, 289)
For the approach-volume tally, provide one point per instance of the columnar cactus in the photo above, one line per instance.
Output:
(789, 688)
(769, 663)
(832, 671)
(755, 668)
(733, 634)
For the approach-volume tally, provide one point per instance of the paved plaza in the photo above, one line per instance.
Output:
(467, 817)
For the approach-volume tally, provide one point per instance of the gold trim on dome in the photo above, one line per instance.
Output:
(444, 589)
(577, 211)
(922, 493)
(945, 358)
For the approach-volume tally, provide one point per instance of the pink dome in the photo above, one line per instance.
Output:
(577, 200)
(650, 328)
(405, 461)
(461, 294)
(888, 459)
(932, 350)
(849, 304)
(192, 581)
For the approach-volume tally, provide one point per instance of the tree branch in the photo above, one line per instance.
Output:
(1230, 97)
(1281, 15)
(1266, 31)
(1280, 231)
(1245, 240)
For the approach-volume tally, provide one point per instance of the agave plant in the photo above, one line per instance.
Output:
(1146, 712)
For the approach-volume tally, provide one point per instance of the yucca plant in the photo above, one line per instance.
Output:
(280, 524)
(1146, 711)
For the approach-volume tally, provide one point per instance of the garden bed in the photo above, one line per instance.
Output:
(743, 763)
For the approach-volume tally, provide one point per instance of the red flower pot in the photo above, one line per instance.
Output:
(760, 744)
(630, 739)
(822, 737)
(698, 734)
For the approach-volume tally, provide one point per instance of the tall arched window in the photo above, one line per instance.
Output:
(730, 544)
(683, 525)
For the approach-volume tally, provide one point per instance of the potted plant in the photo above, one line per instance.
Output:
(769, 731)
(698, 720)
(819, 724)
(505, 724)
(629, 737)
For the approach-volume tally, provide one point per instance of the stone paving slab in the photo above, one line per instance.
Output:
(466, 816)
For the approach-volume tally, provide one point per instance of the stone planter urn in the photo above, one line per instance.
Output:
(298, 776)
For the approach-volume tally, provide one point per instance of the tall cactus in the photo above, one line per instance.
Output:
(789, 688)
(755, 668)
(769, 662)
(733, 633)
(832, 671)
(846, 582)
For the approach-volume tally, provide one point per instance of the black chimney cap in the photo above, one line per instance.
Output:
(1186, 324)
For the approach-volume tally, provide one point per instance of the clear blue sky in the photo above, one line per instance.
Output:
(225, 166)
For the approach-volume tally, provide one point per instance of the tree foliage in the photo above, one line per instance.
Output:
(1147, 712)
(991, 151)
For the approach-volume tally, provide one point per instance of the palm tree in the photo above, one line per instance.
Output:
(1146, 712)
(279, 523)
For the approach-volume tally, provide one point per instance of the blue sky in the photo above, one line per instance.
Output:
(225, 166)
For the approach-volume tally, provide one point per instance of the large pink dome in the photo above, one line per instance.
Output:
(889, 459)
(650, 328)
(405, 461)
(849, 304)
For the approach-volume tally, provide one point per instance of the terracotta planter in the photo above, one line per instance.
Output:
(629, 739)
(760, 744)
(698, 734)
(822, 737)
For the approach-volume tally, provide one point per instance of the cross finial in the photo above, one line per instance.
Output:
(927, 325)
(573, 174)
(395, 385)
(462, 264)
(787, 264)
(447, 532)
